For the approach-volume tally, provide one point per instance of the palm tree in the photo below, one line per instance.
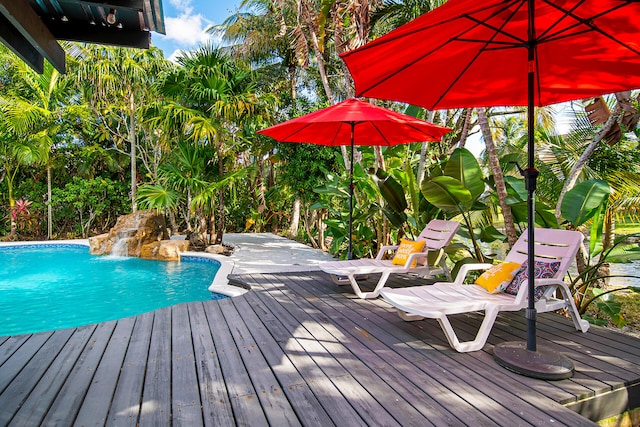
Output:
(393, 13)
(117, 84)
(16, 150)
(38, 112)
(258, 37)
(498, 179)
(209, 97)
(608, 121)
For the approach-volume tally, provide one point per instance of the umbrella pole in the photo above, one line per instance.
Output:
(515, 356)
(349, 251)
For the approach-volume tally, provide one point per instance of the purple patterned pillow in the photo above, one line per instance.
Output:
(543, 270)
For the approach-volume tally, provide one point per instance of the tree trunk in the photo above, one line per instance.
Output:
(13, 231)
(423, 156)
(572, 178)
(379, 157)
(307, 221)
(188, 213)
(295, 219)
(494, 164)
(132, 139)
(221, 219)
(172, 221)
(49, 208)
(292, 83)
(320, 226)
(310, 24)
(609, 232)
(465, 127)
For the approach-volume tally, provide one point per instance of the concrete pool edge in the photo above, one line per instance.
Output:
(220, 284)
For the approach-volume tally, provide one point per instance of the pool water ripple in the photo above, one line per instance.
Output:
(53, 287)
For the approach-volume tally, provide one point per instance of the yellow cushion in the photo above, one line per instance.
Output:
(406, 248)
(495, 279)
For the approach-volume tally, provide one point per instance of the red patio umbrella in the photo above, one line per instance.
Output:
(470, 53)
(354, 122)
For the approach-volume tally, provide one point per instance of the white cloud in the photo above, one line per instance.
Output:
(174, 56)
(182, 5)
(187, 30)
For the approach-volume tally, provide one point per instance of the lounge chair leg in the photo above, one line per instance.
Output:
(358, 291)
(480, 339)
(579, 323)
(379, 285)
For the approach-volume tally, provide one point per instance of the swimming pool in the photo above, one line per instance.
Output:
(45, 287)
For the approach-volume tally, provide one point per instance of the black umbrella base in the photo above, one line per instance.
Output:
(544, 365)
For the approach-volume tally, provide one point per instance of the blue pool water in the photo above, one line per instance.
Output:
(53, 287)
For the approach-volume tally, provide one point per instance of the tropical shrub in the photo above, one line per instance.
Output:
(89, 207)
(587, 201)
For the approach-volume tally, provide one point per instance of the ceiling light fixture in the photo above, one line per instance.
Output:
(111, 17)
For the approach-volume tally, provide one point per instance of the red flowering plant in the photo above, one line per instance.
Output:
(21, 215)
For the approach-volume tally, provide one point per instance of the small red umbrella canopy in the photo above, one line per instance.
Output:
(355, 122)
(470, 53)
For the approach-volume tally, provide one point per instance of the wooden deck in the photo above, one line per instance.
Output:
(299, 350)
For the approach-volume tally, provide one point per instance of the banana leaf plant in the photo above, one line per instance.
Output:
(367, 212)
(404, 206)
(587, 201)
(517, 201)
(459, 190)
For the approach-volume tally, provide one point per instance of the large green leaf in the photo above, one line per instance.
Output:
(582, 201)
(490, 234)
(391, 191)
(545, 217)
(397, 219)
(463, 166)
(446, 193)
(412, 185)
(412, 110)
(624, 254)
(597, 225)
(516, 189)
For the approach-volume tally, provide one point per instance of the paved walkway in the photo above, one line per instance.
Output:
(269, 253)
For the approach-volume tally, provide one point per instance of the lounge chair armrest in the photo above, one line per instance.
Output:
(384, 249)
(416, 256)
(549, 282)
(466, 269)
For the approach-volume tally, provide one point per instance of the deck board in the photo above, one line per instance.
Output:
(71, 397)
(185, 393)
(299, 350)
(95, 406)
(36, 405)
(155, 407)
(216, 406)
(18, 391)
(125, 405)
(242, 395)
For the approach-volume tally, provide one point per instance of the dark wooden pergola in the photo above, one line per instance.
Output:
(32, 28)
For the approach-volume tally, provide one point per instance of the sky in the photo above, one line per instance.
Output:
(186, 22)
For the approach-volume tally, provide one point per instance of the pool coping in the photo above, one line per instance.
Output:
(220, 283)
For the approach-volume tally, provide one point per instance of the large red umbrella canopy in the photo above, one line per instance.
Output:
(470, 53)
(354, 122)
(372, 125)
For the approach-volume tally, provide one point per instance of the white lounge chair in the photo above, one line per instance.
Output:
(444, 299)
(431, 261)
